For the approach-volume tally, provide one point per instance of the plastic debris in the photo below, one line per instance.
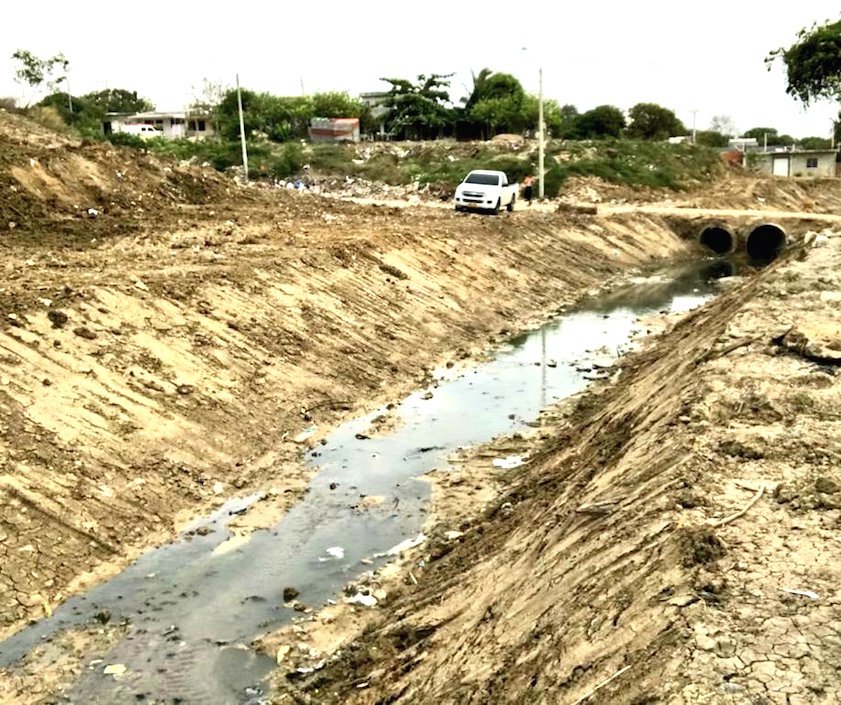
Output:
(453, 535)
(115, 669)
(360, 599)
(305, 434)
(512, 461)
(336, 552)
(405, 545)
(804, 593)
(217, 487)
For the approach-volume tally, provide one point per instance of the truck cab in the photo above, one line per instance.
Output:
(486, 191)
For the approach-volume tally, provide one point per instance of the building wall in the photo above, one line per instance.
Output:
(799, 164)
(825, 165)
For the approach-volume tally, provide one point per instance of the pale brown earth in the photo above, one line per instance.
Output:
(619, 548)
(207, 325)
(157, 357)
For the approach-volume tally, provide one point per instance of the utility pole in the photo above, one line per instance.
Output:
(242, 133)
(540, 190)
(694, 132)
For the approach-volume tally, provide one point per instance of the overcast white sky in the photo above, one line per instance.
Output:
(708, 56)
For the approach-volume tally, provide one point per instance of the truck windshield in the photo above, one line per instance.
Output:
(484, 179)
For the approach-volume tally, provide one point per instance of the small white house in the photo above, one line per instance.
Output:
(806, 162)
(172, 125)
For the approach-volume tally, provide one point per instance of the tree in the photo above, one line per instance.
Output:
(650, 121)
(118, 100)
(36, 72)
(760, 134)
(812, 63)
(711, 138)
(497, 103)
(603, 121)
(815, 143)
(206, 100)
(419, 110)
(724, 125)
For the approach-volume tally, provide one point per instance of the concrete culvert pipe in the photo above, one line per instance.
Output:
(718, 238)
(766, 242)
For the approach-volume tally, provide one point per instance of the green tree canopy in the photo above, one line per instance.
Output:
(38, 73)
(815, 143)
(282, 118)
(711, 138)
(419, 110)
(650, 121)
(118, 100)
(760, 133)
(602, 121)
(812, 63)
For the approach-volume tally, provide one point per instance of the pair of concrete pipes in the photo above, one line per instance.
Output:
(764, 242)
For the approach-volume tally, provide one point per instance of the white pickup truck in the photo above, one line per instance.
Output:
(485, 191)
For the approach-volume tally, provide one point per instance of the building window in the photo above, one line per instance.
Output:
(812, 163)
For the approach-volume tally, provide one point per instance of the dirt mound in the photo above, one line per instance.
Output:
(767, 193)
(50, 181)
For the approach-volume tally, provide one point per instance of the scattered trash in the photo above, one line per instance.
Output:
(92, 212)
(804, 593)
(512, 461)
(114, 669)
(305, 434)
(336, 552)
(217, 487)
(427, 396)
(140, 285)
(405, 545)
(453, 535)
(360, 599)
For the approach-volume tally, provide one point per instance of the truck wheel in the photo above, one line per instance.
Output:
(511, 203)
(495, 210)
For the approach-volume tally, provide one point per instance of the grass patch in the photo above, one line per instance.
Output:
(443, 165)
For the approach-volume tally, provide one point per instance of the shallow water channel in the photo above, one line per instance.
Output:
(191, 611)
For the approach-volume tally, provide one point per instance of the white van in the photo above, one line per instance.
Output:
(141, 129)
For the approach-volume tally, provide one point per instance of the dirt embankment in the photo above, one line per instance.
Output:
(678, 536)
(157, 366)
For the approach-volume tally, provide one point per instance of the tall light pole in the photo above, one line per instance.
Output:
(540, 190)
(694, 115)
(242, 133)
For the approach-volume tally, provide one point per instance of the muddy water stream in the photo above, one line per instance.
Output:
(193, 613)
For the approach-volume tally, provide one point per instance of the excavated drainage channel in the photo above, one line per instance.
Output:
(192, 613)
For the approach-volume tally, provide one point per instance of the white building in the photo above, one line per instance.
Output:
(173, 125)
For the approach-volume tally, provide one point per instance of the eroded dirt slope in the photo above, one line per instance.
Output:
(621, 551)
